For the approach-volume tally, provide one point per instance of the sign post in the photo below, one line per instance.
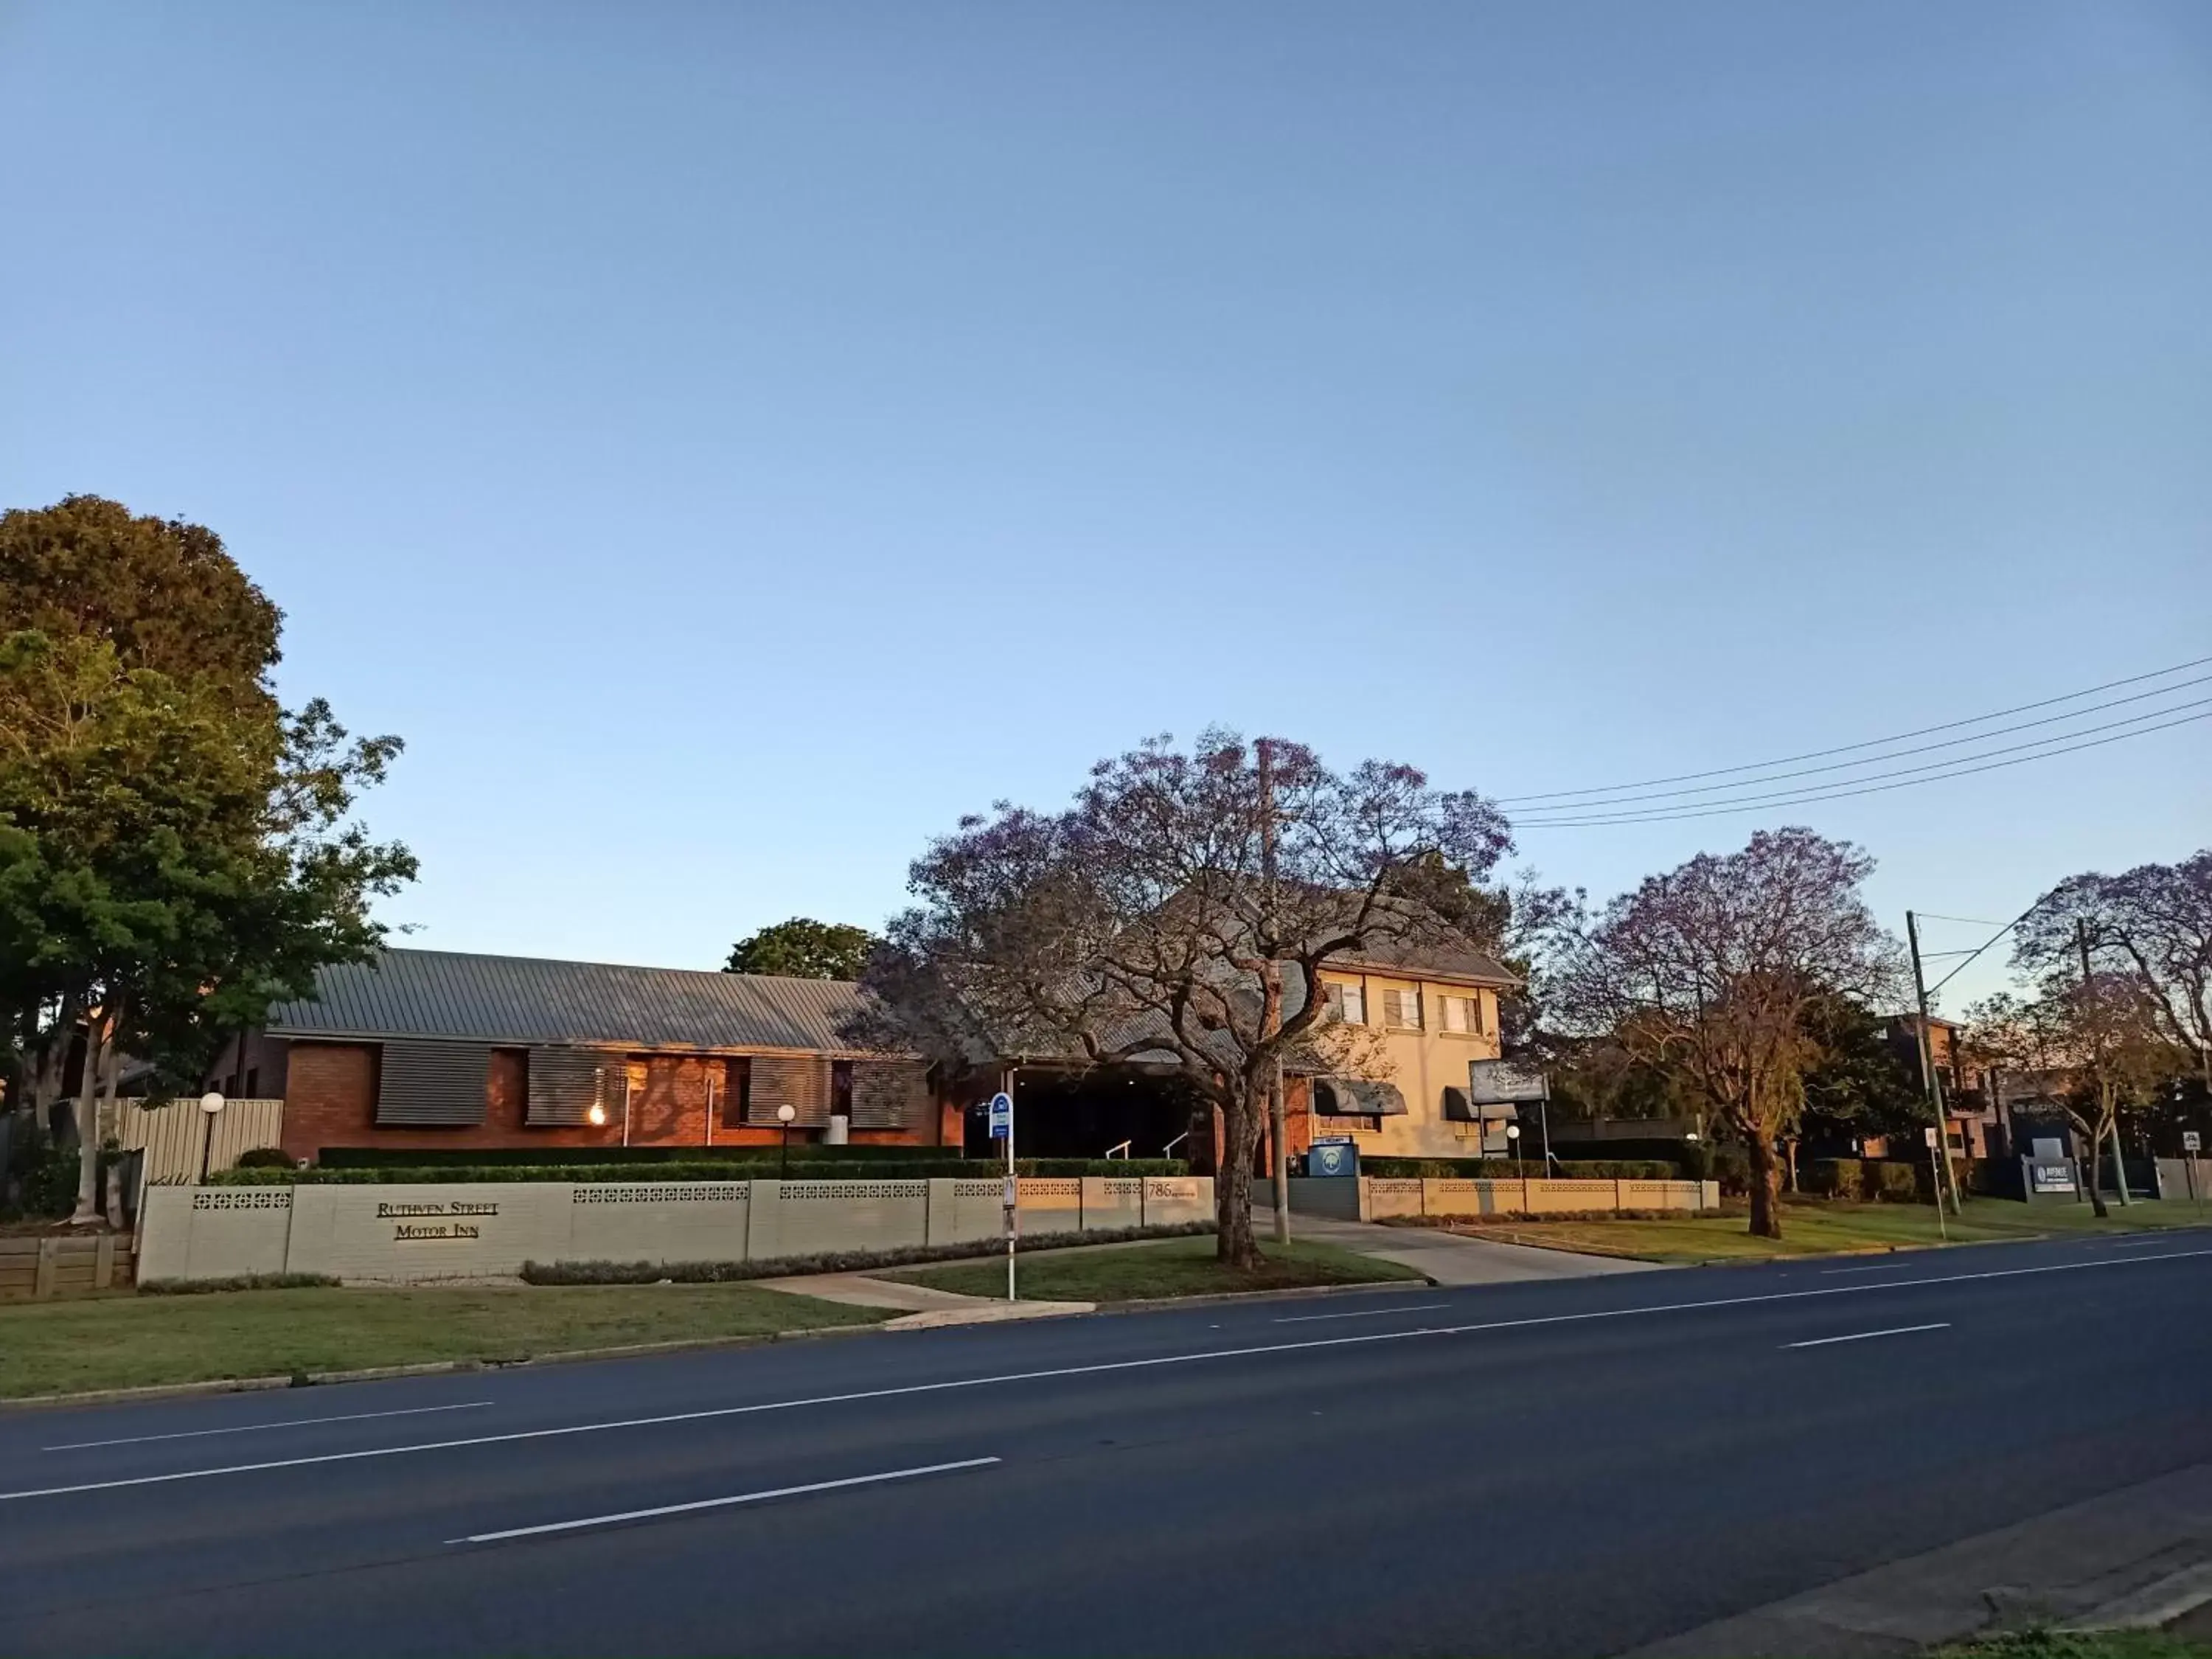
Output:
(1002, 1128)
(2193, 1143)
(1935, 1139)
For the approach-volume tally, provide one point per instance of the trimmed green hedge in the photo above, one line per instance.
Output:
(1499, 1168)
(801, 1169)
(238, 1282)
(485, 1157)
(832, 1261)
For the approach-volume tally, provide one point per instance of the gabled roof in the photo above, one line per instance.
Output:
(526, 1000)
(1435, 962)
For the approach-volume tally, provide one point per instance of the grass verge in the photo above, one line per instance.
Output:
(1181, 1267)
(1819, 1227)
(2068, 1644)
(67, 1347)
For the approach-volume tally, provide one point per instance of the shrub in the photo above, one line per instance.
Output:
(1499, 1168)
(385, 1158)
(239, 1282)
(738, 1169)
(1892, 1182)
(265, 1158)
(1836, 1177)
(41, 1171)
(830, 1261)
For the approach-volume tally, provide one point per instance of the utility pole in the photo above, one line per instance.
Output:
(2097, 1053)
(1279, 1155)
(1929, 1080)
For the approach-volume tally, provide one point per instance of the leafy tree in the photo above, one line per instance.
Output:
(2103, 1032)
(803, 948)
(1855, 1080)
(2152, 926)
(1712, 971)
(1177, 911)
(176, 851)
(163, 592)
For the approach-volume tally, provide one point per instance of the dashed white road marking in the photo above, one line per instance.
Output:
(655, 1514)
(1863, 1336)
(1102, 1368)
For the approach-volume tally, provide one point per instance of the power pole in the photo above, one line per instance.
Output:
(2097, 1050)
(1279, 1155)
(1929, 1080)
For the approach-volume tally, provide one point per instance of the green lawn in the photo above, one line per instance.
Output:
(1816, 1227)
(119, 1342)
(2058, 1644)
(1173, 1266)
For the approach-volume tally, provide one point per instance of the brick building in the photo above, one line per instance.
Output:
(424, 1049)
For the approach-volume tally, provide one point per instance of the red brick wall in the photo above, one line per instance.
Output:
(331, 1101)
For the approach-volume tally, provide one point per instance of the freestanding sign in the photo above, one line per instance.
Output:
(1505, 1082)
(1331, 1158)
(1002, 1128)
(2191, 1144)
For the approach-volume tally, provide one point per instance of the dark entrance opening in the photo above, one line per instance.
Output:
(1089, 1114)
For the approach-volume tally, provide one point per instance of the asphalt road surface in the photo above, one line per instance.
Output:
(1566, 1467)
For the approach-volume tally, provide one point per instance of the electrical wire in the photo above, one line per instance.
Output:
(1853, 747)
(1923, 749)
(1675, 814)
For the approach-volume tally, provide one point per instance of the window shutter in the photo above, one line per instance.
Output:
(565, 1083)
(800, 1082)
(434, 1084)
(889, 1094)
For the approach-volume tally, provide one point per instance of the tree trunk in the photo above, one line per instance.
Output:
(1765, 1188)
(1234, 1245)
(2096, 1139)
(87, 1213)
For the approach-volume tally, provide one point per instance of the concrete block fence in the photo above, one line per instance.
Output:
(1378, 1198)
(415, 1234)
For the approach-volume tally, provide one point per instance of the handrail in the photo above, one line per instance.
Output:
(1168, 1150)
(1122, 1150)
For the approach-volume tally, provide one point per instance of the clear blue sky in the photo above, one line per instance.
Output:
(728, 442)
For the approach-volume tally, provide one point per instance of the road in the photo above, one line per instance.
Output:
(1573, 1466)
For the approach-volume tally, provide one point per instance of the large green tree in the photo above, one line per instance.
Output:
(803, 948)
(176, 850)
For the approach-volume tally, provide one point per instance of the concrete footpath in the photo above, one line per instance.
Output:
(1450, 1258)
(921, 1307)
(2139, 1557)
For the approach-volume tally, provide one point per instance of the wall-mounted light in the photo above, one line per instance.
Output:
(597, 1114)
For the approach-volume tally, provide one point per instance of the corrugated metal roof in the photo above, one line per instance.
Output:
(526, 1000)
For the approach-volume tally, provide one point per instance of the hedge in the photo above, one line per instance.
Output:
(832, 1261)
(801, 1169)
(1491, 1169)
(237, 1282)
(481, 1158)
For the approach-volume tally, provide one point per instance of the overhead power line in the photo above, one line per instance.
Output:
(1581, 795)
(1922, 749)
(1957, 768)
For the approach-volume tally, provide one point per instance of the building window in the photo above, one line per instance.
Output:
(1402, 1010)
(1347, 1003)
(1462, 1015)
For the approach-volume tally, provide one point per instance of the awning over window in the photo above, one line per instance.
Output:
(1342, 1097)
(1457, 1109)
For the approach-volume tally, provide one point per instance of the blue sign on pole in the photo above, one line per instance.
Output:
(1002, 1116)
(1333, 1157)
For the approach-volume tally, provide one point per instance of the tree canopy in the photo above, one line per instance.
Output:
(1717, 971)
(803, 948)
(1177, 910)
(176, 850)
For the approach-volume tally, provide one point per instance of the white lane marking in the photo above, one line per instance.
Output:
(1365, 1313)
(616, 1519)
(256, 1428)
(1871, 1268)
(1862, 1336)
(1099, 1368)
(2123, 1243)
